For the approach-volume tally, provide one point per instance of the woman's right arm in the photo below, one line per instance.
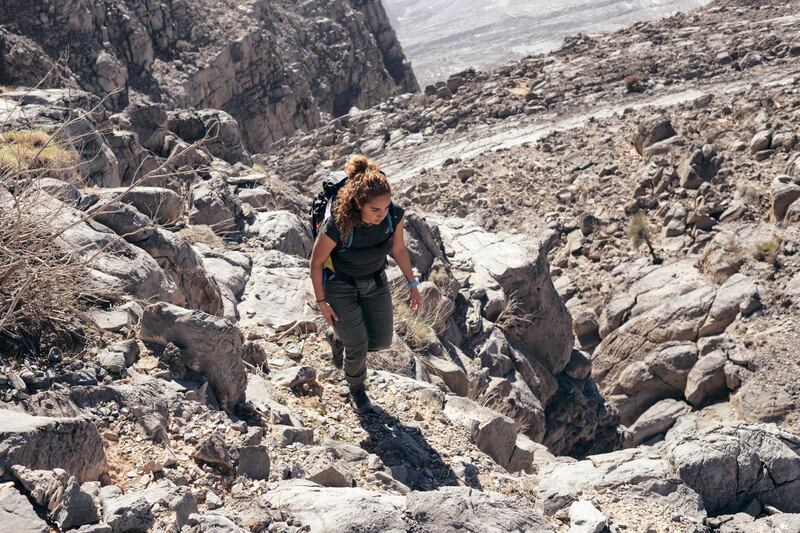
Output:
(323, 247)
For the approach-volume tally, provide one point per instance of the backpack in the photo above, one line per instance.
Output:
(322, 203)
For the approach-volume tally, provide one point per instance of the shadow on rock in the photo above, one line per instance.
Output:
(405, 451)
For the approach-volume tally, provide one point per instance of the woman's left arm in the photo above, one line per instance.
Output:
(400, 254)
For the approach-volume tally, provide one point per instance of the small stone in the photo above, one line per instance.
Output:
(212, 500)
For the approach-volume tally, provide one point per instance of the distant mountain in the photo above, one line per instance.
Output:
(445, 36)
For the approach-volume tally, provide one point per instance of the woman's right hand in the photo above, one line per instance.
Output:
(327, 312)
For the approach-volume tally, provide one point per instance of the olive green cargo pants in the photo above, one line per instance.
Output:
(365, 321)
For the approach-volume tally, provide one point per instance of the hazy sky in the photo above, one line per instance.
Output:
(445, 36)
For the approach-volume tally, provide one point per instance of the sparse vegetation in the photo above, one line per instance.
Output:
(634, 84)
(416, 328)
(512, 316)
(639, 232)
(25, 152)
(768, 251)
(41, 285)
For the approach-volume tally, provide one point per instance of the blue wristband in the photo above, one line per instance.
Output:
(412, 283)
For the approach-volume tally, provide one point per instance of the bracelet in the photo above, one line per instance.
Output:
(413, 283)
(323, 300)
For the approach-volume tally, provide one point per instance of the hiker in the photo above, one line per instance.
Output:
(348, 270)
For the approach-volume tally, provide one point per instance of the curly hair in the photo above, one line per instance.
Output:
(365, 182)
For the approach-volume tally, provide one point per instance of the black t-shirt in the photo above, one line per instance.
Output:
(367, 252)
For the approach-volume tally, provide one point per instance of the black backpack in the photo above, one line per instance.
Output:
(321, 206)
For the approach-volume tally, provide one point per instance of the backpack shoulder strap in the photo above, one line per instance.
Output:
(394, 218)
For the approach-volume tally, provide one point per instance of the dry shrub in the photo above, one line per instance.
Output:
(639, 232)
(416, 328)
(768, 251)
(633, 83)
(512, 316)
(45, 288)
(42, 287)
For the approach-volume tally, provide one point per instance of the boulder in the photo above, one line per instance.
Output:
(655, 421)
(517, 265)
(706, 380)
(176, 256)
(334, 464)
(651, 131)
(115, 265)
(586, 518)
(213, 205)
(277, 294)
(785, 191)
(701, 166)
(253, 462)
(17, 514)
(523, 455)
(213, 451)
(755, 402)
(456, 509)
(45, 443)
(129, 513)
(760, 141)
(212, 346)
(77, 508)
(221, 131)
(636, 476)
(162, 206)
(124, 220)
(44, 487)
(283, 231)
(731, 247)
(493, 433)
(447, 509)
(730, 464)
(738, 294)
(212, 523)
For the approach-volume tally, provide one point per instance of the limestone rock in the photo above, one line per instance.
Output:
(212, 346)
(253, 462)
(163, 206)
(656, 420)
(17, 514)
(493, 433)
(706, 380)
(785, 191)
(45, 443)
(519, 266)
(177, 257)
(651, 131)
(283, 231)
(586, 518)
(277, 293)
(213, 205)
(729, 464)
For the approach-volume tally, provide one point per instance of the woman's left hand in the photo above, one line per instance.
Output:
(416, 301)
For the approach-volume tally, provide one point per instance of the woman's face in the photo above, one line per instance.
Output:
(374, 211)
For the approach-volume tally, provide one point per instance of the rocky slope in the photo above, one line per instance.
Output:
(274, 66)
(558, 378)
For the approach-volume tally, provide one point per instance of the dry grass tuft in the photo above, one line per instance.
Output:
(639, 232)
(28, 152)
(768, 251)
(513, 317)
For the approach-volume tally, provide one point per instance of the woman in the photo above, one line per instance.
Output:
(348, 271)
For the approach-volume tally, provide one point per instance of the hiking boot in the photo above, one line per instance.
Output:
(359, 399)
(337, 348)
